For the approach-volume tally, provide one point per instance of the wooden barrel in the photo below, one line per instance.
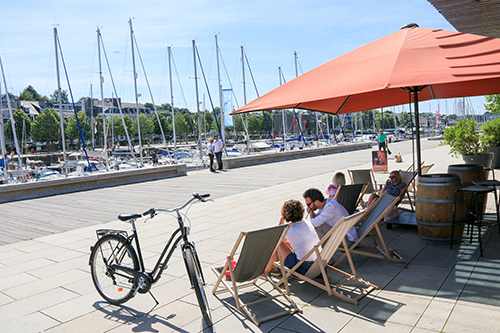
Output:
(434, 208)
(468, 173)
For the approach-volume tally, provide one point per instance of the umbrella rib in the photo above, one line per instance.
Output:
(342, 106)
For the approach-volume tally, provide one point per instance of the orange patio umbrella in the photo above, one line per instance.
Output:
(411, 64)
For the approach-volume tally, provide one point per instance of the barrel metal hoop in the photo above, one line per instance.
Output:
(439, 201)
(421, 183)
(434, 239)
(442, 224)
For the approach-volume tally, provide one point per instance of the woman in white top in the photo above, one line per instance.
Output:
(299, 240)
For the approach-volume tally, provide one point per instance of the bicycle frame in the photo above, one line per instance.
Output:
(180, 234)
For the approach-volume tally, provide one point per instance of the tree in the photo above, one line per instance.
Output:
(72, 131)
(11, 96)
(54, 98)
(146, 125)
(181, 125)
(493, 104)
(262, 122)
(118, 125)
(156, 125)
(30, 94)
(21, 121)
(46, 126)
(253, 123)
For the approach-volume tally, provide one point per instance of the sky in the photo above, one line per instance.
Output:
(269, 31)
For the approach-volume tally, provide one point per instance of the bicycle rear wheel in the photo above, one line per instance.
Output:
(114, 286)
(195, 276)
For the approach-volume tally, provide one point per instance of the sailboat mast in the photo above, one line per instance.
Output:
(13, 125)
(219, 83)
(101, 83)
(135, 89)
(172, 99)
(59, 100)
(197, 101)
(296, 75)
(283, 116)
(245, 122)
(2, 137)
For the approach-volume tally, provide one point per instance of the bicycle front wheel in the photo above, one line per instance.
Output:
(195, 276)
(114, 286)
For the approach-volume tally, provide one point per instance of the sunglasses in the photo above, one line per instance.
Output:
(392, 177)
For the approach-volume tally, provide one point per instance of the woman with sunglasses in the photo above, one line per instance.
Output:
(393, 186)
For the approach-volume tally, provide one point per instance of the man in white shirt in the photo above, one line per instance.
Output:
(325, 213)
(218, 146)
(210, 148)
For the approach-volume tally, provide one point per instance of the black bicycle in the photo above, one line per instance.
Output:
(118, 270)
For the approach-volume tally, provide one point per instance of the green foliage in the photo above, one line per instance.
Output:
(46, 126)
(181, 124)
(156, 125)
(464, 139)
(11, 96)
(19, 116)
(146, 126)
(253, 123)
(491, 133)
(54, 98)
(262, 121)
(30, 94)
(117, 124)
(72, 132)
(493, 104)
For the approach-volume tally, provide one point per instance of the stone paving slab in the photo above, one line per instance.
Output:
(47, 286)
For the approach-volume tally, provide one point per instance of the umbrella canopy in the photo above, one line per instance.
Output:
(436, 63)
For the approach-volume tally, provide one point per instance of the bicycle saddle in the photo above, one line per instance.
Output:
(126, 217)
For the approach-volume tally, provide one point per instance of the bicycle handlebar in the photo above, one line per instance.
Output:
(200, 197)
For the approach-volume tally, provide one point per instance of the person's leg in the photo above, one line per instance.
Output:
(219, 159)
(285, 251)
(373, 197)
(211, 157)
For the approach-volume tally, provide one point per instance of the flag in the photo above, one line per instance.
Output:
(227, 106)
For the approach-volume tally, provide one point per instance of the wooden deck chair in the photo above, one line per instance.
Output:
(408, 178)
(349, 196)
(256, 251)
(425, 170)
(364, 176)
(324, 251)
(368, 225)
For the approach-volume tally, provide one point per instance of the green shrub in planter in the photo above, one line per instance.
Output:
(491, 138)
(464, 139)
(491, 133)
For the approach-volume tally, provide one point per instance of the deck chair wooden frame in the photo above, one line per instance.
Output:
(368, 225)
(256, 251)
(364, 176)
(408, 177)
(349, 196)
(324, 251)
(425, 170)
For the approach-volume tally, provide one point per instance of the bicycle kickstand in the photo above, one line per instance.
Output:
(154, 298)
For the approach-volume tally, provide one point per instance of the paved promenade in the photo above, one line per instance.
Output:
(45, 283)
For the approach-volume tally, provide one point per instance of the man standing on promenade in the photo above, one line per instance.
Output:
(218, 146)
(325, 213)
(210, 148)
(382, 139)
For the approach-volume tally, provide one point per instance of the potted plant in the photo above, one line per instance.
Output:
(491, 138)
(465, 140)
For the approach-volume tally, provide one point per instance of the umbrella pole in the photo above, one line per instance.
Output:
(417, 123)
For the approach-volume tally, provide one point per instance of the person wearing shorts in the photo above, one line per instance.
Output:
(299, 240)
